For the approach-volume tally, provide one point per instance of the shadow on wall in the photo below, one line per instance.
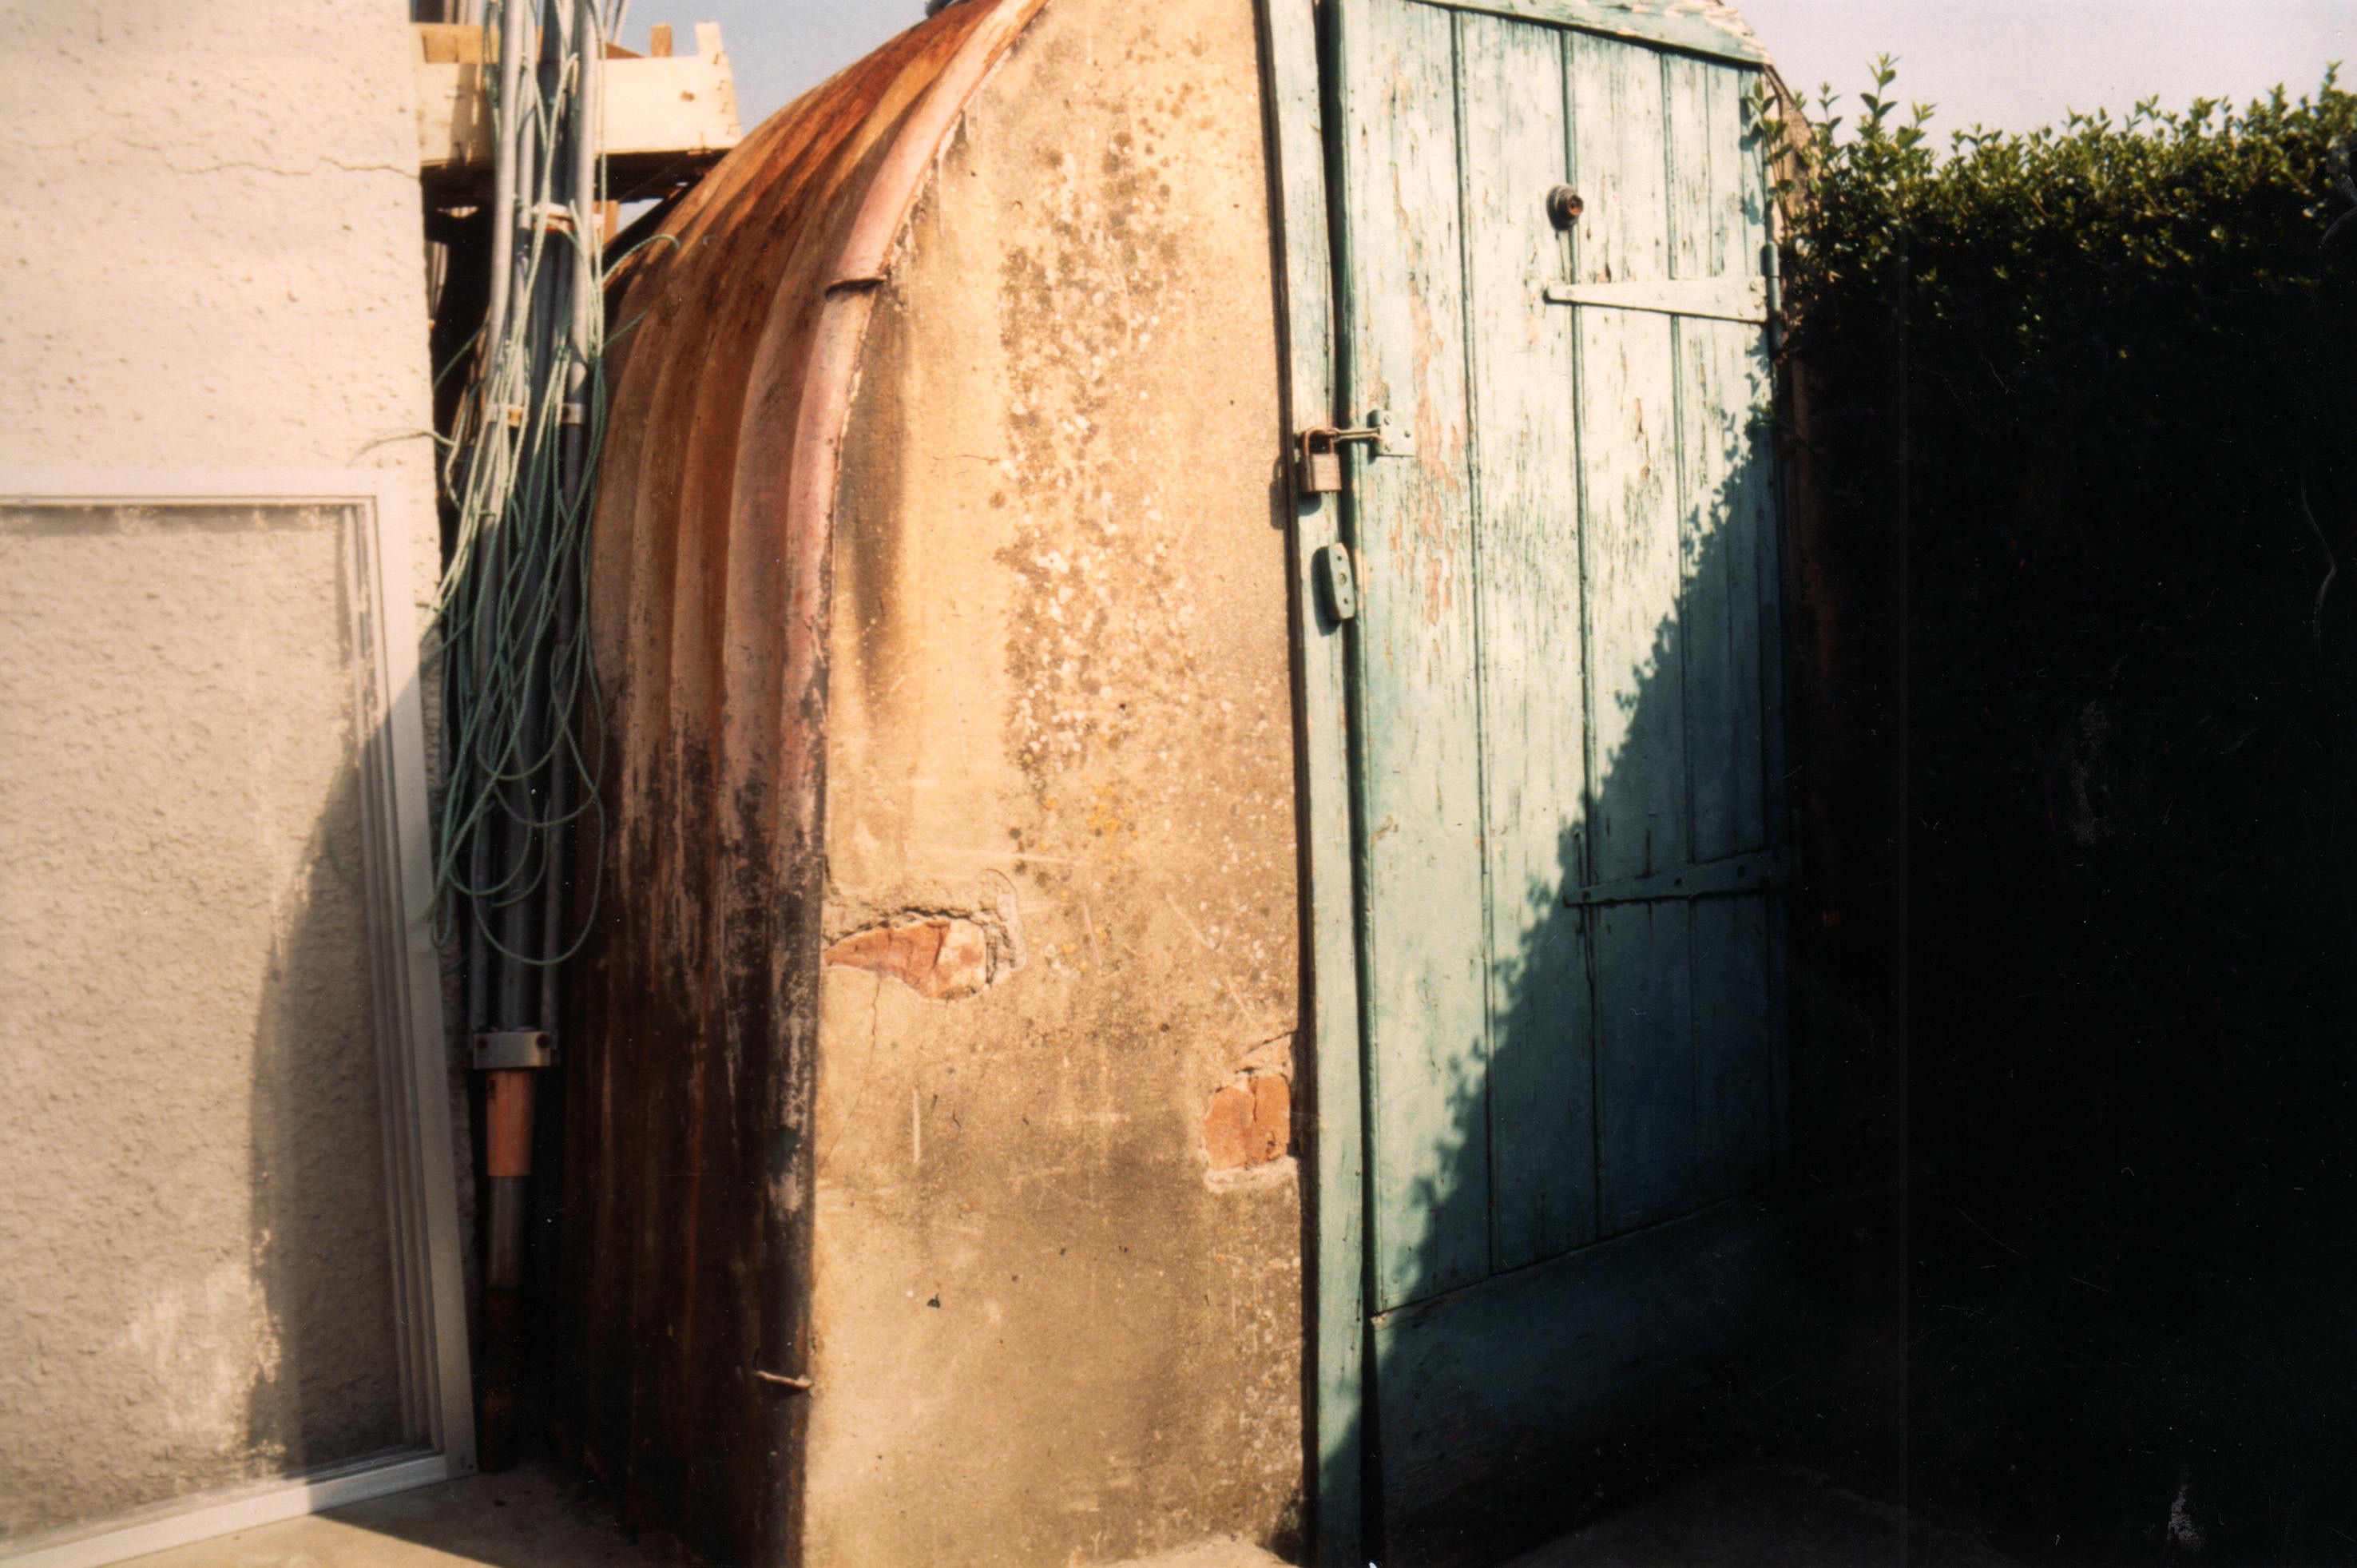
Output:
(329, 1386)
(1651, 1114)
(198, 1281)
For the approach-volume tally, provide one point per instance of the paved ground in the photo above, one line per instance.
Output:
(535, 1516)
(1762, 1516)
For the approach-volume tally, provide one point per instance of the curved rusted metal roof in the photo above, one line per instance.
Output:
(687, 1238)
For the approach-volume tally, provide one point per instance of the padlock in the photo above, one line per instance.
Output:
(1321, 463)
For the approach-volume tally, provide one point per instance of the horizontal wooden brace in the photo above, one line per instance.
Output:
(1755, 872)
(1736, 298)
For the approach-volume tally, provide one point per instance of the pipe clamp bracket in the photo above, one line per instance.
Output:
(506, 1050)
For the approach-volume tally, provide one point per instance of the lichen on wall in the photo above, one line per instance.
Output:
(1053, 1321)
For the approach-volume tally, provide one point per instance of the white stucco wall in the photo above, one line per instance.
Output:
(212, 261)
(211, 236)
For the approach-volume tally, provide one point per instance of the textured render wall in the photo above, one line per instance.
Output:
(212, 243)
(195, 1267)
(211, 256)
(1058, 1310)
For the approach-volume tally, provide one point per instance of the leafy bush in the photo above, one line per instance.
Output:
(2088, 396)
(2084, 377)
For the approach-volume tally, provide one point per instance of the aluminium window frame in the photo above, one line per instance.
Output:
(421, 1175)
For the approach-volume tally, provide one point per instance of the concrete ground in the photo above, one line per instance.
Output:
(538, 1516)
(1762, 1516)
(535, 1515)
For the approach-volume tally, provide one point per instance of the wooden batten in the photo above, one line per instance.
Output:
(667, 117)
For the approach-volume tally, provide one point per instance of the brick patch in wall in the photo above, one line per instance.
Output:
(942, 958)
(1250, 1122)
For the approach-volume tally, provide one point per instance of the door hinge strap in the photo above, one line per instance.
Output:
(1763, 871)
(1733, 299)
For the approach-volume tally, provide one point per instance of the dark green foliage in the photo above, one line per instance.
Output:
(2125, 352)
(2071, 388)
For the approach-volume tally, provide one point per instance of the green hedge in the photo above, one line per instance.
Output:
(2085, 376)
(2082, 423)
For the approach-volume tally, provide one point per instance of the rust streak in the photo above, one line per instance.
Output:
(687, 1259)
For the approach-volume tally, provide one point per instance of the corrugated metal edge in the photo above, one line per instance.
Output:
(689, 1156)
(830, 379)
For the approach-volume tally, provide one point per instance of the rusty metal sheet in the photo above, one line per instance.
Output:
(695, 1007)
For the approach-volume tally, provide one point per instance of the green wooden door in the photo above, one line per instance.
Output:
(1567, 732)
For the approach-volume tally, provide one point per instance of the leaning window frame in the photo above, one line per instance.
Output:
(421, 1175)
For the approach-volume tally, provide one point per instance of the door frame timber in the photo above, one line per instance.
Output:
(1293, 79)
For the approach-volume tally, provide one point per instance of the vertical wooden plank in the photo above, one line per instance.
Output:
(1705, 151)
(1752, 388)
(1425, 991)
(1617, 133)
(1779, 1014)
(1645, 1064)
(1630, 558)
(1717, 543)
(1294, 104)
(1757, 234)
(1626, 431)
(1724, 509)
(1734, 1033)
(1541, 1124)
(1636, 677)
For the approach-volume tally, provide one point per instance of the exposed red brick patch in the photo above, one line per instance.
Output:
(941, 958)
(1250, 1122)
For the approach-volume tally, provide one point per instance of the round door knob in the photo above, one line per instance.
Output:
(1564, 206)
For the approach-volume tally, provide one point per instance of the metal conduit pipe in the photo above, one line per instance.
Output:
(573, 447)
(507, 1141)
(551, 199)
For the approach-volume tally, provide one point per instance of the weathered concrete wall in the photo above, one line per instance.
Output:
(211, 250)
(1058, 1298)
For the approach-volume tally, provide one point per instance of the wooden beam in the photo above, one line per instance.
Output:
(662, 112)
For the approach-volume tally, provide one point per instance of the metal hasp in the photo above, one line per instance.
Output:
(1318, 456)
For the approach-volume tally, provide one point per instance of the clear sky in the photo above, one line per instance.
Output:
(2006, 63)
